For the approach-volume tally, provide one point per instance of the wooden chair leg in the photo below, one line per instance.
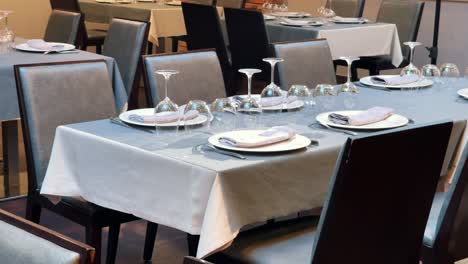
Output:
(94, 239)
(112, 243)
(192, 242)
(33, 211)
(150, 239)
(98, 49)
(150, 48)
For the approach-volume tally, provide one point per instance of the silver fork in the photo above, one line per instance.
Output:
(212, 148)
(117, 121)
(339, 130)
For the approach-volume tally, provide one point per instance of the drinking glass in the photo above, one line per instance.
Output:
(348, 86)
(324, 95)
(326, 11)
(197, 117)
(272, 90)
(411, 69)
(166, 107)
(301, 93)
(431, 71)
(449, 73)
(248, 106)
(7, 37)
(224, 115)
(267, 7)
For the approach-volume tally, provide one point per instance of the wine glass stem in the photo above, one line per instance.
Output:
(272, 72)
(328, 4)
(411, 54)
(166, 80)
(249, 84)
(349, 70)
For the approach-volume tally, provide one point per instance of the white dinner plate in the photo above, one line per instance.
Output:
(310, 24)
(174, 3)
(292, 106)
(392, 122)
(424, 82)
(268, 17)
(295, 143)
(463, 93)
(350, 20)
(149, 111)
(290, 14)
(26, 47)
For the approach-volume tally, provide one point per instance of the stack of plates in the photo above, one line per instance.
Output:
(26, 47)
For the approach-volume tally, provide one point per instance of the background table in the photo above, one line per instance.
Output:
(215, 195)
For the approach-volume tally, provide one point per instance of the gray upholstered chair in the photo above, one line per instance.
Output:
(55, 94)
(231, 3)
(406, 14)
(446, 235)
(22, 241)
(305, 62)
(348, 8)
(63, 26)
(374, 212)
(126, 42)
(200, 77)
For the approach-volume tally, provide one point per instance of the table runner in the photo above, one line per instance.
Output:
(215, 195)
(8, 96)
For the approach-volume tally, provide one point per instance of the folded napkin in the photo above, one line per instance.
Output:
(395, 79)
(349, 19)
(370, 116)
(164, 117)
(297, 22)
(277, 100)
(45, 46)
(271, 136)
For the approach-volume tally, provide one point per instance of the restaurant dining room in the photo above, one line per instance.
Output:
(233, 131)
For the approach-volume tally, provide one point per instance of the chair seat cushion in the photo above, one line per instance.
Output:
(431, 227)
(285, 242)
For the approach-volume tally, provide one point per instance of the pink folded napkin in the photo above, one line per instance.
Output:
(395, 80)
(45, 46)
(278, 100)
(370, 116)
(271, 136)
(164, 117)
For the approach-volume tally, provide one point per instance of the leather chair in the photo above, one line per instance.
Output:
(231, 3)
(348, 8)
(87, 37)
(306, 62)
(406, 14)
(126, 42)
(204, 32)
(200, 77)
(446, 235)
(23, 241)
(376, 210)
(63, 27)
(55, 94)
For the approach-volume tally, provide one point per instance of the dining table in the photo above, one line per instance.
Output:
(9, 109)
(167, 179)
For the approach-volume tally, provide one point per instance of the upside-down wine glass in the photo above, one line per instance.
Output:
(224, 115)
(197, 117)
(272, 91)
(349, 89)
(248, 106)
(449, 73)
(167, 107)
(411, 69)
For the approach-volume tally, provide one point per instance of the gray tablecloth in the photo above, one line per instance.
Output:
(162, 178)
(8, 97)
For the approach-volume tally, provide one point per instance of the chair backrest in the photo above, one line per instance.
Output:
(204, 32)
(380, 196)
(348, 8)
(452, 224)
(63, 26)
(200, 77)
(248, 40)
(54, 94)
(406, 15)
(126, 42)
(26, 242)
(305, 62)
(68, 5)
(231, 3)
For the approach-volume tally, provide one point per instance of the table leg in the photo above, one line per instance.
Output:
(192, 241)
(161, 48)
(10, 157)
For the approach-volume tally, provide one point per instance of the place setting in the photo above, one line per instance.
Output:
(300, 23)
(41, 46)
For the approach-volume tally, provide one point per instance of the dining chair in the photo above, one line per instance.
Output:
(377, 206)
(54, 94)
(26, 242)
(63, 26)
(348, 8)
(204, 32)
(305, 62)
(87, 37)
(200, 77)
(231, 3)
(446, 235)
(406, 15)
(126, 42)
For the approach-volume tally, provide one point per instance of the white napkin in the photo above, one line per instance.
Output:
(271, 136)
(370, 116)
(165, 117)
(45, 46)
(395, 79)
(278, 100)
(297, 22)
(348, 19)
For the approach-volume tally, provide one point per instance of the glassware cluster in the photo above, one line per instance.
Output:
(7, 37)
(270, 6)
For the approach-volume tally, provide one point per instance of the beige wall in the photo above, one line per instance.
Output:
(29, 18)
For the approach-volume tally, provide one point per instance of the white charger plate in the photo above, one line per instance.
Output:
(421, 83)
(291, 106)
(311, 24)
(295, 143)
(392, 122)
(149, 111)
(349, 21)
(463, 93)
(27, 48)
(290, 14)
(174, 3)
